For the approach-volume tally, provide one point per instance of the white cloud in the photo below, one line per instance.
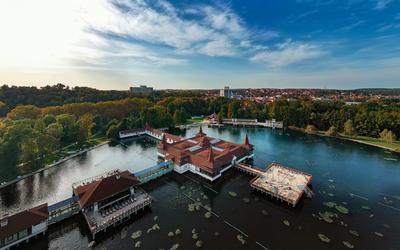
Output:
(288, 53)
(381, 4)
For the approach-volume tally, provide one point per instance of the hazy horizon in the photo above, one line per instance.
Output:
(170, 44)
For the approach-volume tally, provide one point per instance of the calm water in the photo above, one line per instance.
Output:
(339, 169)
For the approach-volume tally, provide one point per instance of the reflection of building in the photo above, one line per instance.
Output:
(204, 155)
(110, 199)
(20, 227)
(226, 92)
(141, 89)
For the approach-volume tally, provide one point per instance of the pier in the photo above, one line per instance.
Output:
(280, 182)
(253, 123)
(149, 131)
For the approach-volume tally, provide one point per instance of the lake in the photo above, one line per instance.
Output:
(361, 178)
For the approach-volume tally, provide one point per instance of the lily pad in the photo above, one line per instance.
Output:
(342, 209)
(91, 244)
(330, 204)
(330, 194)
(195, 236)
(246, 200)
(379, 234)
(138, 244)
(155, 218)
(327, 216)
(264, 212)
(207, 215)
(286, 222)
(241, 239)
(193, 230)
(178, 231)
(365, 207)
(348, 244)
(354, 232)
(323, 238)
(136, 234)
(170, 234)
(175, 246)
(199, 243)
(233, 194)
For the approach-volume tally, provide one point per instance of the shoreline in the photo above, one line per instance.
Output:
(320, 133)
(52, 165)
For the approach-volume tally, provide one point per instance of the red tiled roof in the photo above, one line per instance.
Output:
(25, 219)
(185, 151)
(101, 189)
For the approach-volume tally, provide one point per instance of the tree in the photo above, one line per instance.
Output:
(348, 128)
(24, 112)
(86, 124)
(69, 127)
(311, 129)
(220, 117)
(179, 116)
(49, 119)
(3, 109)
(332, 131)
(388, 136)
(112, 132)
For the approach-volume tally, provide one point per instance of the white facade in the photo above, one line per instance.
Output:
(196, 170)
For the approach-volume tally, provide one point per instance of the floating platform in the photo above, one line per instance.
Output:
(284, 183)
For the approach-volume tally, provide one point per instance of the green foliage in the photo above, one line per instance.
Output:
(112, 132)
(180, 116)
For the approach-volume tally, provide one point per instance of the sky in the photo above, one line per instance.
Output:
(190, 44)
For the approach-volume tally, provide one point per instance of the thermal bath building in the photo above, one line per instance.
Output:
(203, 155)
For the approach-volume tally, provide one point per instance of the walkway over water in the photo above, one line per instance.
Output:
(154, 172)
(149, 131)
(253, 123)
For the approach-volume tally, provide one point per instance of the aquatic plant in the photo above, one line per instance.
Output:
(365, 207)
(379, 234)
(170, 234)
(91, 244)
(354, 232)
(138, 244)
(264, 212)
(195, 236)
(199, 243)
(246, 200)
(191, 207)
(241, 239)
(155, 218)
(286, 222)
(205, 197)
(330, 194)
(323, 238)
(233, 194)
(348, 244)
(175, 246)
(207, 215)
(193, 230)
(178, 231)
(342, 209)
(136, 234)
(327, 216)
(330, 204)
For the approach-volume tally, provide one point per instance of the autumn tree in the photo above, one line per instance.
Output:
(349, 128)
(332, 131)
(24, 112)
(86, 124)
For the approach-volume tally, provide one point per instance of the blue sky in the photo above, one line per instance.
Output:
(113, 44)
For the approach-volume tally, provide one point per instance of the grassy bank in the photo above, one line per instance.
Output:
(376, 142)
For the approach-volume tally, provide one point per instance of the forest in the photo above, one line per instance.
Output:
(32, 136)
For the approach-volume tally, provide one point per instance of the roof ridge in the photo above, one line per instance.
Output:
(92, 190)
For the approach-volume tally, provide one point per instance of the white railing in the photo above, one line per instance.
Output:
(95, 178)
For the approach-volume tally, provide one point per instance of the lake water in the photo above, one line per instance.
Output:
(364, 179)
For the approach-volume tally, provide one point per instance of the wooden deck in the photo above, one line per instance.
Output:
(284, 183)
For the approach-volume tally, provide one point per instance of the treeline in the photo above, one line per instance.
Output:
(59, 94)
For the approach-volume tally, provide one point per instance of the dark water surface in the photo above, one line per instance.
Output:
(349, 174)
